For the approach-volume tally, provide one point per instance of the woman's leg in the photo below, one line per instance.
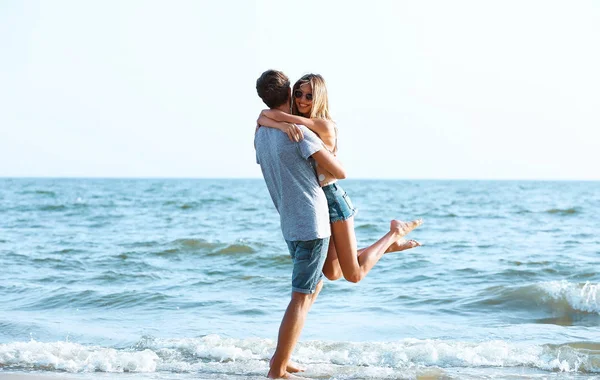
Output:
(332, 269)
(354, 264)
(400, 245)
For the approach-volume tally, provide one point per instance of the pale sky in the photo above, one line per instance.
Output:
(419, 89)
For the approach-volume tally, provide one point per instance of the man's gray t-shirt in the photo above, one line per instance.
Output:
(292, 183)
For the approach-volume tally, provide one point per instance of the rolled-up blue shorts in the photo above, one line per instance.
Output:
(338, 201)
(309, 258)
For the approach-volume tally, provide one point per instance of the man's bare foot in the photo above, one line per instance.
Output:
(403, 228)
(286, 375)
(294, 367)
(291, 367)
(402, 245)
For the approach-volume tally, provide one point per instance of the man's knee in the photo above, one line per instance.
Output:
(302, 300)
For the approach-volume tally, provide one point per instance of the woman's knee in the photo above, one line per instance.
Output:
(353, 277)
(332, 274)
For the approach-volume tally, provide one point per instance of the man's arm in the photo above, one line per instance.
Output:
(312, 146)
(330, 163)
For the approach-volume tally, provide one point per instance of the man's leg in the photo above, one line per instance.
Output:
(308, 257)
(291, 366)
(289, 331)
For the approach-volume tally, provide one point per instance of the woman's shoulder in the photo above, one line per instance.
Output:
(328, 125)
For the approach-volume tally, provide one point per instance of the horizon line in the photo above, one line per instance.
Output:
(260, 178)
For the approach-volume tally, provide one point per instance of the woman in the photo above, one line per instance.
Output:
(310, 108)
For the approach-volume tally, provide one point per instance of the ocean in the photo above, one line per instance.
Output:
(189, 279)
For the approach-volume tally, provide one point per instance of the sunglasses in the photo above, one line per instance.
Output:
(298, 95)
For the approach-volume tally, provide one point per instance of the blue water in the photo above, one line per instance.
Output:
(190, 278)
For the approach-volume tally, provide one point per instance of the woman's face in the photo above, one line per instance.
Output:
(303, 97)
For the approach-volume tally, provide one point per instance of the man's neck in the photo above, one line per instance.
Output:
(284, 107)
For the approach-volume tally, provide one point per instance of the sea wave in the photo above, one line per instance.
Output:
(551, 211)
(580, 297)
(193, 246)
(59, 207)
(62, 297)
(566, 211)
(73, 357)
(210, 248)
(250, 356)
(559, 296)
(39, 192)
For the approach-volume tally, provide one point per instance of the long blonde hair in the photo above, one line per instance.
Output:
(320, 102)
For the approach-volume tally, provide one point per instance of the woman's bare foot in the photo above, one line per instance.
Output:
(403, 228)
(291, 367)
(402, 245)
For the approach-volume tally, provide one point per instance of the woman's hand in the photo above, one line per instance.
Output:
(293, 131)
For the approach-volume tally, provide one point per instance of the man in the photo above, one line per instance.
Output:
(288, 171)
(286, 161)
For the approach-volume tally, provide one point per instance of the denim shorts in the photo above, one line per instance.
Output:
(340, 206)
(309, 258)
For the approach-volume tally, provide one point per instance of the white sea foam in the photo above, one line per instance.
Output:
(215, 354)
(73, 357)
(581, 297)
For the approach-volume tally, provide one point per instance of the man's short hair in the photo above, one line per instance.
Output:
(273, 88)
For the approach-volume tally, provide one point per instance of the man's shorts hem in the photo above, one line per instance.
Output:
(304, 291)
(308, 258)
(308, 291)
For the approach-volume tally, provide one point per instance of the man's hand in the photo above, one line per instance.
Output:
(293, 131)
